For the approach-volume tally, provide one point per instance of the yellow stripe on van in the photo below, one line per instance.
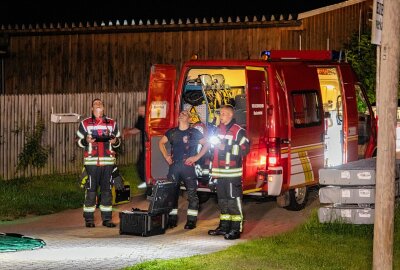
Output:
(305, 162)
(255, 68)
(352, 138)
(303, 148)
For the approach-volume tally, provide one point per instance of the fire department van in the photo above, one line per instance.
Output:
(299, 109)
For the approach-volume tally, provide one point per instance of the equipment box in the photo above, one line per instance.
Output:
(142, 223)
(154, 220)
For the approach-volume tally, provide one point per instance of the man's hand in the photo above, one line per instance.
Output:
(169, 159)
(189, 161)
(114, 140)
(90, 139)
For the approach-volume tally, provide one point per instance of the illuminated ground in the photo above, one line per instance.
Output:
(69, 245)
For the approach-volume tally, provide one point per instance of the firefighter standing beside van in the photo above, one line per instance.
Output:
(229, 145)
(98, 135)
(184, 141)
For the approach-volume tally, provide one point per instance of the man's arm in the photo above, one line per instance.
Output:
(82, 136)
(163, 149)
(116, 142)
(130, 131)
(244, 143)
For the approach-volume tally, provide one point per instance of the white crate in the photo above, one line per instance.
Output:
(65, 117)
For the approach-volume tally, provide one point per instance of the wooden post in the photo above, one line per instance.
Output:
(387, 111)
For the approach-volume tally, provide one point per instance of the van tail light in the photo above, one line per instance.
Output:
(274, 152)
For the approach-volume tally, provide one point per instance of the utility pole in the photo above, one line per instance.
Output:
(386, 158)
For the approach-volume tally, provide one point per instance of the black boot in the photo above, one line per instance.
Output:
(108, 223)
(190, 224)
(89, 223)
(217, 231)
(232, 235)
(222, 229)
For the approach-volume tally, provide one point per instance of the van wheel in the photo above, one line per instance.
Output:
(203, 196)
(297, 199)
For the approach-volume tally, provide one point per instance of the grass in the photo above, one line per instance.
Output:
(48, 194)
(311, 246)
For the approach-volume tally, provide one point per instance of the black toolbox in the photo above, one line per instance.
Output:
(141, 223)
(153, 221)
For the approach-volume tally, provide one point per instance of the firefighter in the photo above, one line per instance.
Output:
(98, 135)
(228, 145)
(184, 141)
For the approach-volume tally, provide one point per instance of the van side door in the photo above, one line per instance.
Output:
(159, 118)
(306, 120)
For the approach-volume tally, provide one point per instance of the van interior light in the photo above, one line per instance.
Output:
(263, 161)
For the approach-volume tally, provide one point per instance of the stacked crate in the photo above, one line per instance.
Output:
(348, 192)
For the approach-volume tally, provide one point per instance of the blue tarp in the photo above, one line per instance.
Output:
(15, 242)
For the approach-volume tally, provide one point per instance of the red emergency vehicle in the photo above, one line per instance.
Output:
(299, 109)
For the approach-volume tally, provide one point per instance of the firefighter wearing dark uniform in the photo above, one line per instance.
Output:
(228, 146)
(184, 141)
(98, 135)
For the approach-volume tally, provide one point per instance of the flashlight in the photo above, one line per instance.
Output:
(214, 140)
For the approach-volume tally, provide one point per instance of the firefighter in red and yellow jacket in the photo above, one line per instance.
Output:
(98, 135)
(230, 145)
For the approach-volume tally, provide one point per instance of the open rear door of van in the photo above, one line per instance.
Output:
(350, 117)
(159, 118)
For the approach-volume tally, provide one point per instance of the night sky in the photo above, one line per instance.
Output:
(31, 12)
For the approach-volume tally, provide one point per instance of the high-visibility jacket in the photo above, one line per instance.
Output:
(227, 163)
(101, 152)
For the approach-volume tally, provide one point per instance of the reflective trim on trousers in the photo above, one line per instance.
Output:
(239, 204)
(191, 212)
(89, 209)
(225, 217)
(105, 208)
(174, 212)
(237, 218)
(226, 175)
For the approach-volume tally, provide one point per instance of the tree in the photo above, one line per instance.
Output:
(361, 54)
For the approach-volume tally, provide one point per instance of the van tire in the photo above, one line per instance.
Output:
(297, 199)
(203, 196)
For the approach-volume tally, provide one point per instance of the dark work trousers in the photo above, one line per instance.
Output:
(98, 176)
(179, 172)
(229, 192)
(140, 166)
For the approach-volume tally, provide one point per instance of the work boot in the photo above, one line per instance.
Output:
(90, 224)
(232, 235)
(172, 221)
(218, 231)
(190, 225)
(108, 223)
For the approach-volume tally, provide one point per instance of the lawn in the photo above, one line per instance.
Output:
(48, 194)
(311, 246)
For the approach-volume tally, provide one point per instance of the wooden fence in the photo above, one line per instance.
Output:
(19, 115)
